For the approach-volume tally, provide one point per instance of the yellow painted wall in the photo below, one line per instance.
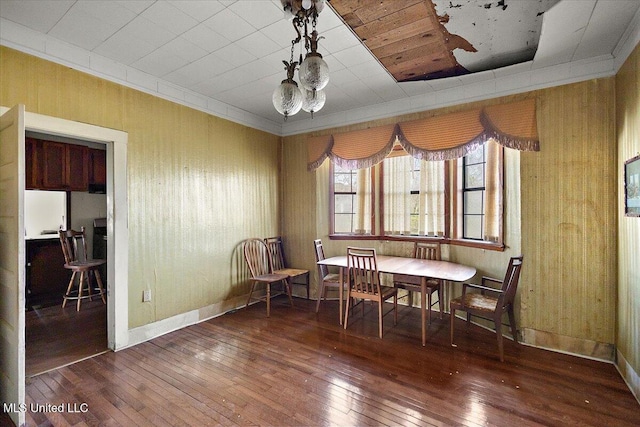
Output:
(198, 185)
(628, 132)
(569, 214)
(561, 216)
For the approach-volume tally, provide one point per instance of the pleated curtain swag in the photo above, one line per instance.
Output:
(442, 137)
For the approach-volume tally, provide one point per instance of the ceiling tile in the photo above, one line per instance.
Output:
(107, 11)
(258, 45)
(337, 39)
(257, 12)
(137, 6)
(81, 29)
(200, 10)
(281, 32)
(206, 38)
(229, 25)
(159, 63)
(38, 15)
(354, 55)
(235, 55)
(605, 28)
(124, 49)
(169, 17)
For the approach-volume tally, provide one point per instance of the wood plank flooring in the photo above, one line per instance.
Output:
(299, 368)
(56, 336)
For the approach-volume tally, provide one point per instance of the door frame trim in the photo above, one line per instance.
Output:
(117, 213)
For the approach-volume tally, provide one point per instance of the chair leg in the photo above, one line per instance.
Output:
(498, 321)
(307, 282)
(346, 313)
(380, 317)
(253, 285)
(512, 322)
(429, 303)
(321, 294)
(288, 288)
(440, 301)
(410, 298)
(268, 299)
(96, 273)
(452, 316)
(395, 309)
(80, 290)
(66, 295)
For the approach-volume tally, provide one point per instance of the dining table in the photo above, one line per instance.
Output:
(423, 268)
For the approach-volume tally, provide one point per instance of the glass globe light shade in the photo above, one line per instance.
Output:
(313, 72)
(319, 5)
(313, 101)
(287, 98)
(306, 4)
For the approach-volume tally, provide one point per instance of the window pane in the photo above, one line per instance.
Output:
(343, 223)
(473, 227)
(474, 176)
(342, 182)
(343, 203)
(473, 202)
(476, 156)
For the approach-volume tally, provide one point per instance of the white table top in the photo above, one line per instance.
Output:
(445, 270)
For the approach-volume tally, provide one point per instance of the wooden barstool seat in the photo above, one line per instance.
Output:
(74, 248)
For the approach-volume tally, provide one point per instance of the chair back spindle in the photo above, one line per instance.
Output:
(363, 271)
(510, 283)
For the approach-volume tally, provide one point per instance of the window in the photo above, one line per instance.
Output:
(351, 201)
(414, 198)
(473, 191)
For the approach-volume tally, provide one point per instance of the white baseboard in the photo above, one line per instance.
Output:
(629, 376)
(152, 330)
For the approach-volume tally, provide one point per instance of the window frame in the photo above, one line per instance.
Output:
(453, 210)
(467, 190)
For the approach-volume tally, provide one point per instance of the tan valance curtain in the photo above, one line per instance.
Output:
(442, 137)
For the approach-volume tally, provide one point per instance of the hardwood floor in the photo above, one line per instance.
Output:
(299, 368)
(56, 337)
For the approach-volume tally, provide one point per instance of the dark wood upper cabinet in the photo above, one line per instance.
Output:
(59, 166)
(77, 168)
(97, 167)
(53, 165)
(32, 174)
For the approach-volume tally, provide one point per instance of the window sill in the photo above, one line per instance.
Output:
(490, 246)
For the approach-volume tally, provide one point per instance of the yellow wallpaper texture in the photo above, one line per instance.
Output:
(561, 216)
(628, 131)
(198, 185)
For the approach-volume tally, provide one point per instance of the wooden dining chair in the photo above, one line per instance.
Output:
(297, 276)
(491, 307)
(325, 279)
(363, 282)
(256, 255)
(422, 250)
(74, 248)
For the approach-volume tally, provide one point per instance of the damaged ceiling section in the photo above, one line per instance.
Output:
(431, 39)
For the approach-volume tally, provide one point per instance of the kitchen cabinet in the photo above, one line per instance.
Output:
(56, 166)
(97, 167)
(46, 277)
(31, 152)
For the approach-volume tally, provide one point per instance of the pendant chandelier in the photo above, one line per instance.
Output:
(313, 73)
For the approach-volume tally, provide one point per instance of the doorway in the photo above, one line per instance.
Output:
(14, 123)
(65, 198)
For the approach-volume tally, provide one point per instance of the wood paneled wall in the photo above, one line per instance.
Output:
(628, 132)
(198, 185)
(561, 216)
(569, 217)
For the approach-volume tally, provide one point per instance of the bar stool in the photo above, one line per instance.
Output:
(74, 248)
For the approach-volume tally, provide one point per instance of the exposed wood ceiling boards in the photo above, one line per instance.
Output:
(408, 37)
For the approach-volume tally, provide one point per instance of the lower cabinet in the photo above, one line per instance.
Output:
(46, 277)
